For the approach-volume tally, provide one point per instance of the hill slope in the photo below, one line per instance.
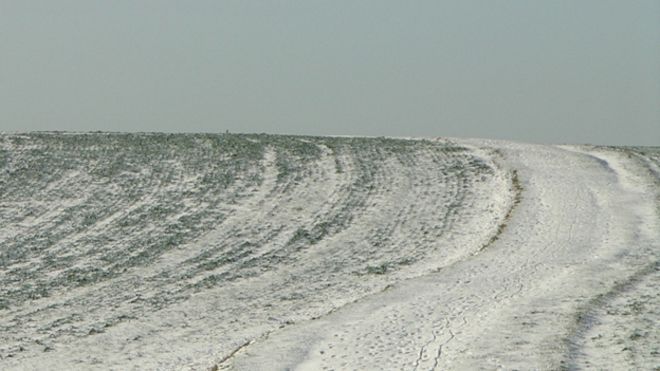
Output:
(134, 251)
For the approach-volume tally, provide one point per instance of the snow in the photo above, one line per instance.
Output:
(331, 253)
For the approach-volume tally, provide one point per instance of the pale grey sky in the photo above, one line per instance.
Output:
(563, 71)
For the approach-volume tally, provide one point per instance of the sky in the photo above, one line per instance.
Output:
(562, 71)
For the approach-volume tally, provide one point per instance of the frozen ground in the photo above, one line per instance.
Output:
(248, 252)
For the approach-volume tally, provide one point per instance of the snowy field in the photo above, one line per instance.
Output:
(262, 252)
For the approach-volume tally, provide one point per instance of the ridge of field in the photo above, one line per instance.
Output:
(165, 251)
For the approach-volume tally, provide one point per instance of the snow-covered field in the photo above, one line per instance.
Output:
(261, 252)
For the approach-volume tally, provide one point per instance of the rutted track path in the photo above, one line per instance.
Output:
(588, 220)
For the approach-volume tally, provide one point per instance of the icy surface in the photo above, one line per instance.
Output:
(155, 251)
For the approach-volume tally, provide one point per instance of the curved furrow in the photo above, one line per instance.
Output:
(100, 238)
(416, 216)
(280, 217)
(262, 231)
(149, 284)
